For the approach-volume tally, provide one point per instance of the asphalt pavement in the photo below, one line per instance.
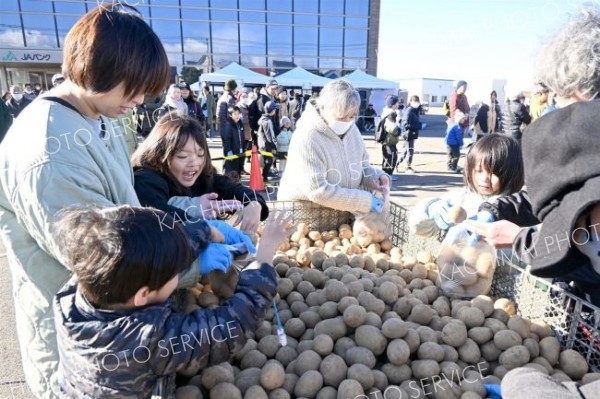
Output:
(430, 179)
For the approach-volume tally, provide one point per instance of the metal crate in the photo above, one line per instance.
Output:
(576, 322)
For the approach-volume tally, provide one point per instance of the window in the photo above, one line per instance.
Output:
(332, 21)
(279, 5)
(39, 31)
(225, 43)
(356, 43)
(159, 11)
(220, 15)
(332, 7)
(252, 39)
(194, 14)
(330, 63)
(310, 6)
(77, 9)
(434, 99)
(279, 18)
(169, 34)
(306, 62)
(254, 61)
(444, 98)
(195, 42)
(9, 5)
(252, 16)
(331, 42)
(306, 19)
(305, 41)
(279, 40)
(357, 7)
(64, 25)
(355, 63)
(224, 4)
(11, 34)
(35, 5)
(194, 3)
(252, 5)
(357, 22)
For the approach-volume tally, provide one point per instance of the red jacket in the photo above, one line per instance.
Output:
(458, 102)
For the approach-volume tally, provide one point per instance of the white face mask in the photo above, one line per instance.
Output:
(415, 105)
(340, 127)
(246, 101)
(17, 96)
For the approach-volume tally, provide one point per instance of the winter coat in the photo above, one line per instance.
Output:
(266, 133)
(514, 114)
(167, 109)
(147, 114)
(223, 104)
(411, 122)
(283, 140)
(159, 191)
(15, 108)
(454, 135)
(208, 107)
(494, 118)
(122, 354)
(233, 137)
(515, 208)
(458, 102)
(245, 122)
(50, 159)
(6, 120)
(327, 169)
(264, 98)
(194, 110)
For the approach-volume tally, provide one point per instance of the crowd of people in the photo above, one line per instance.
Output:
(100, 233)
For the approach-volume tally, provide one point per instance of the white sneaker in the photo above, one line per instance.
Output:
(409, 171)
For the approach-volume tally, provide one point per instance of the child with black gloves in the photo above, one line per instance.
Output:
(117, 331)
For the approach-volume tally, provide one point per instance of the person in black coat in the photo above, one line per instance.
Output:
(18, 101)
(514, 115)
(173, 172)
(233, 141)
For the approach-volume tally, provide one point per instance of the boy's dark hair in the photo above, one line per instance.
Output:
(169, 135)
(116, 251)
(232, 108)
(502, 156)
(94, 61)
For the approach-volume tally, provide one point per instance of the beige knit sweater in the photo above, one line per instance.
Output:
(326, 169)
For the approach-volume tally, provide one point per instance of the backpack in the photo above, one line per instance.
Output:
(446, 108)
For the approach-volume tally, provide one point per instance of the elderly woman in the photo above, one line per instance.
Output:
(328, 162)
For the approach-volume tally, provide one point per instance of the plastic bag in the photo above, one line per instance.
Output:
(372, 227)
(465, 271)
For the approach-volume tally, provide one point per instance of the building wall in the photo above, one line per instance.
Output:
(319, 35)
(432, 91)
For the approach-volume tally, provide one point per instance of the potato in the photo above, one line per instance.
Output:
(425, 368)
(225, 390)
(396, 374)
(361, 355)
(272, 375)
(189, 392)
(350, 389)
(432, 351)
(386, 245)
(469, 352)
(422, 314)
(519, 325)
(550, 350)
(514, 357)
(269, 345)
(294, 327)
(314, 235)
(334, 369)
(309, 384)
(327, 392)
(590, 377)
(480, 335)
(472, 317)
(355, 315)
(573, 364)
(307, 360)
(253, 359)
(541, 328)
(371, 338)
(214, 375)
(454, 333)
(335, 328)
(285, 355)
(506, 339)
(302, 228)
(483, 303)
(208, 299)
(317, 258)
(457, 214)
(369, 229)
(362, 374)
(424, 257)
(388, 292)
(323, 344)
(506, 305)
(394, 328)
(398, 352)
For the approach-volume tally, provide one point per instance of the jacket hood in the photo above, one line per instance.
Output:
(311, 119)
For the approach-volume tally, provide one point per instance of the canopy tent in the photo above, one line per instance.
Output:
(362, 80)
(234, 71)
(300, 77)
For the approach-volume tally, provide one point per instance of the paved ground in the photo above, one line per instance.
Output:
(431, 179)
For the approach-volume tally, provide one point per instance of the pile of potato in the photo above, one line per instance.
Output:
(369, 321)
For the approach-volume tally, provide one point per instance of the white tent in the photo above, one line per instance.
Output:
(234, 71)
(300, 77)
(362, 80)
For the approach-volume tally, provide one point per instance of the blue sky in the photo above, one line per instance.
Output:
(468, 39)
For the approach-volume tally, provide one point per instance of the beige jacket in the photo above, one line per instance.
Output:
(326, 169)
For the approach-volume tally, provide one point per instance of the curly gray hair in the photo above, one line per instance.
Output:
(340, 98)
(570, 62)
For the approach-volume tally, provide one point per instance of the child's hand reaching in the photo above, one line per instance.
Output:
(278, 226)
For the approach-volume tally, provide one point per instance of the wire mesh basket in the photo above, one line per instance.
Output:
(315, 216)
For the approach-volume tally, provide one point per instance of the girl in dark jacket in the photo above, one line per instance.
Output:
(173, 172)
(233, 141)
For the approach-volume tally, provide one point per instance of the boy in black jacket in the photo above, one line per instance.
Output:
(117, 332)
(233, 141)
(267, 138)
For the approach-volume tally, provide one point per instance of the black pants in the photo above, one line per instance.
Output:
(407, 152)
(453, 152)
(390, 158)
(234, 165)
(267, 162)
